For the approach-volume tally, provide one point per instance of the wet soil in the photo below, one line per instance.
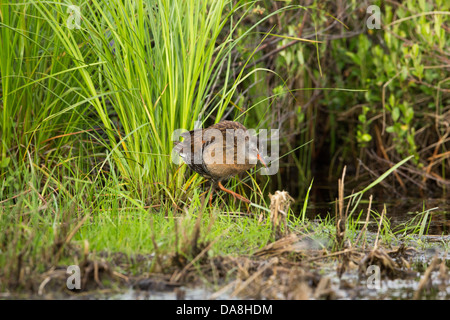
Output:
(292, 267)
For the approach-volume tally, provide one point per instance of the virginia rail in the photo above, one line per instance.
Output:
(220, 152)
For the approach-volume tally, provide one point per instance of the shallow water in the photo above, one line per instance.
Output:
(402, 288)
(351, 285)
(186, 292)
(399, 211)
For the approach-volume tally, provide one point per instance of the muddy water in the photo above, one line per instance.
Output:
(353, 285)
(350, 285)
(186, 294)
(399, 212)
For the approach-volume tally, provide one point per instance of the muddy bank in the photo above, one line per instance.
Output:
(293, 267)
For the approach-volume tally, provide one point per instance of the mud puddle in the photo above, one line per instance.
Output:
(283, 270)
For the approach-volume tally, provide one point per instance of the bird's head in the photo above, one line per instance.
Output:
(253, 154)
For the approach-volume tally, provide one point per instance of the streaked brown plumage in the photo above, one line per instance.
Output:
(201, 149)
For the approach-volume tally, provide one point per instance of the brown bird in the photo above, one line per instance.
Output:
(220, 152)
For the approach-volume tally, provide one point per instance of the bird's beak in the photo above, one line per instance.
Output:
(261, 160)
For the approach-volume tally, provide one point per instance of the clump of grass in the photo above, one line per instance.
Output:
(139, 70)
(87, 118)
(418, 225)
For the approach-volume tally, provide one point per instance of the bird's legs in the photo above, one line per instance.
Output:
(234, 194)
(210, 198)
(213, 189)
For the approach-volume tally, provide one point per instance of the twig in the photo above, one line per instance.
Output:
(16, 196)
(425, 279)
(329, 255)
(272, 262)
(42, 286)
(176, 277)
(379, 228)
(222, 290)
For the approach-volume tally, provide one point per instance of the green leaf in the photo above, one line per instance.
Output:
(415, 50)
(392, 100)
(390, 129)
(404, 73)
(395, 114)
(5, 162)
(366, 137)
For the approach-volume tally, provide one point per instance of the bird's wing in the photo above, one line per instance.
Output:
(226, 124)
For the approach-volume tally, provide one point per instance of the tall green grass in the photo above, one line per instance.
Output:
(149, 63)
(87, 116)
(133, 70)
(37, 81)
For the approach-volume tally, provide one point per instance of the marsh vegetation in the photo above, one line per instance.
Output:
(91, 93)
